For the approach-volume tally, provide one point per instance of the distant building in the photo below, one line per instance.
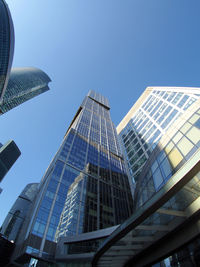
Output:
(24, 84)
(19, 84)
(6, 46)
(9, 153)
(14, 221)
(148, 120)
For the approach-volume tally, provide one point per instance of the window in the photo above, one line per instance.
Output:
(194, 118)
(183, 100)
(158, 179)
(177, 137)
(166, 169)
(194, 135)
(185, 127)
(197, 123)
(175, 157)
(169, 147)
(185, 146)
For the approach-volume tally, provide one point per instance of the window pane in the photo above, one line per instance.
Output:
(194, 135)
(169, 147)
(185, 127)
(194, 118)
(185, 146)
(177, 137)
(158, 179)
(175, 157)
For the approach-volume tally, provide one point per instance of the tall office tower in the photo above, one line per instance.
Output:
(148, 120)
(24, 84)
(89, 158)
(6, 46)
(15, 219)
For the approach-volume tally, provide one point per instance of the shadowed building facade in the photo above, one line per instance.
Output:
(6, 46)
(85, 187)
(24, 84)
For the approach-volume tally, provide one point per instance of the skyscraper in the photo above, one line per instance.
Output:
(6, 46)
(88, 172)
(148, 120)
(24, 84)
(9, 153)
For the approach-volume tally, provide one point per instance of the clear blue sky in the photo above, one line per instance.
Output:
(116, 47)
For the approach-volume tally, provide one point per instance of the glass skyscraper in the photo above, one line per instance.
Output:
(6, 46)
(148, 120)
(85, 188)
(24, 84)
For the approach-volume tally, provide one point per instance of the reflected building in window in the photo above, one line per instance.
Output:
(24, 84)
(149, 119)
(85, 188)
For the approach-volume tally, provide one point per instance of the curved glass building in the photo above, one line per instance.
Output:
(6, 46)
(24, 84)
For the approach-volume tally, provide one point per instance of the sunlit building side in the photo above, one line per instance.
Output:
(149, 119)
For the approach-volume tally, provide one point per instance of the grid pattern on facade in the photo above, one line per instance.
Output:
(86, 183)
(148, 124)
(178, 145)
(23, 84)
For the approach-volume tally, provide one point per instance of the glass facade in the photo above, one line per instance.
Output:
(166, 203)
(155, 113)
(6, 46)
(173, 150)
(24, 84)
(86, 187)
(15, 219)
